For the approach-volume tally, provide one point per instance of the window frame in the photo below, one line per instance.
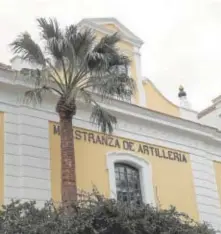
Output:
(127, 171)
(145, 173)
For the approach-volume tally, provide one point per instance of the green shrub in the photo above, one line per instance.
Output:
(96, 215)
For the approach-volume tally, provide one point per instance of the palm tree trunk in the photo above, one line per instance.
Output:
(68, 173)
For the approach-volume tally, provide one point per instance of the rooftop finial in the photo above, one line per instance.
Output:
(183, 98)
(181, 93)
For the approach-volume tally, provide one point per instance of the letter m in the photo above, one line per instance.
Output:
(56, 129)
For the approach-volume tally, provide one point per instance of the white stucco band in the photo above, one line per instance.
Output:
(141, 164)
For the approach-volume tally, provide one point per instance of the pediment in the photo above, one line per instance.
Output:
(111, 25)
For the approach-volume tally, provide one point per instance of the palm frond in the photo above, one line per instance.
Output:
(56, 44)
(85, 95)
(41, 78)
(98, 61)
(81, 43)
(34, 76)
(105, 54)
(71, 32)
(81, 40)
(27, 49)
(35, 96)
(57, 48)
(55, 76)
(107, 44)
(49, 28)
(71, 58)
(81, 94)
(119, 60)
(113, 82)
(121, 87)
(103, 119)
(110, 71)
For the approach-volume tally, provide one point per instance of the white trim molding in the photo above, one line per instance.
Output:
(141, 164)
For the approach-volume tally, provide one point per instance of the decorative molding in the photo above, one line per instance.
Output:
(141, 164)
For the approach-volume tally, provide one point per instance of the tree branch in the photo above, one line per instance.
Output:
(54, 78)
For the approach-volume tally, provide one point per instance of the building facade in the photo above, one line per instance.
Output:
(159, 153)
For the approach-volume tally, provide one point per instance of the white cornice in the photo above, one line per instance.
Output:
(129, 111)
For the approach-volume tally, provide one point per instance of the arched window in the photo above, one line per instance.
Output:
(127, 183)
(139, 166)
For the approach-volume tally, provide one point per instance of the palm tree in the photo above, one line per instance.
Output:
(71, 63)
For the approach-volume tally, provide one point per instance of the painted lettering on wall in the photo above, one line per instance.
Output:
(116, 142)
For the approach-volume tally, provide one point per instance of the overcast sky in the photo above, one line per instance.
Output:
(182, 37)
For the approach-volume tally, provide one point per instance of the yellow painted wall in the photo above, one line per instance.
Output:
(217, 167)
(172, 178)
(157, 102)
(1, 158)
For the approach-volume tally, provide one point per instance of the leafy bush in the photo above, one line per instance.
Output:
(95, 215)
